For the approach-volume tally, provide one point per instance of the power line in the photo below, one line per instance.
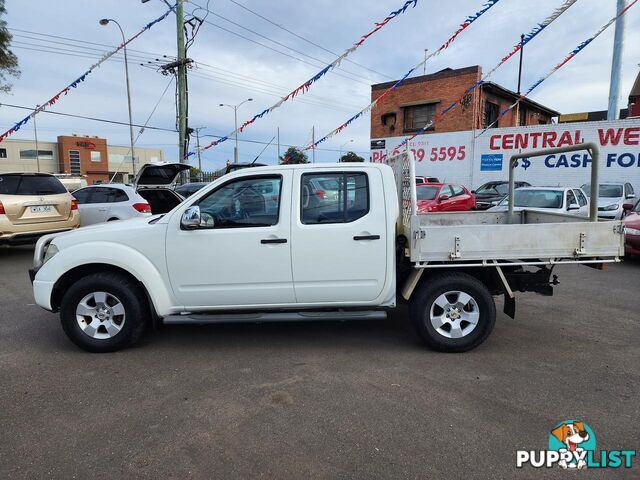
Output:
(283, 53)
(274, 41)
(306, 39)
(147, 127)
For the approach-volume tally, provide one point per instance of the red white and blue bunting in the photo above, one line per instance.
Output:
(568, 58)
(53, 100)
(303, 88)
(516, 48)
(464, 25)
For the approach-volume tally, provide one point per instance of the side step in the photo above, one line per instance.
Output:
(198, 318)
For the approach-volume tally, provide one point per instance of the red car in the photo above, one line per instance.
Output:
(444, 197)
(632, 229)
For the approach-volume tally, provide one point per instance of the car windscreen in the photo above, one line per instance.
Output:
(30, 185)
(494, 189)
(605, 191)
(425, 192)
(536, 198)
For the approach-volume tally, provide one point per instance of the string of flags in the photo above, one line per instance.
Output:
(304, 87)
(65, 91)
(568, 58)
(535, 31)
(464, 25)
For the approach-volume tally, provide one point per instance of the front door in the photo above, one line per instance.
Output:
(241, 254)
(339, 239)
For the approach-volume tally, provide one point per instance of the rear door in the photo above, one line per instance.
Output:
(339, 247)
(95, 206)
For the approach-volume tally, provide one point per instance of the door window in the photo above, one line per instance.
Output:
(446, 190)
(99, 195)
(116, 195)
(582, 200)
(628, 190)
(82, 196)
(246, 202)
(333, 197)
(571, 198)
(457, 190)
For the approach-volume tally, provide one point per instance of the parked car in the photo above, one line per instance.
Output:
(151, 193)
(491, 193)
(611, 197)
(443, 197)
(421, 180)
(108, 202)
(32, 205)
(188, 189)
(216, 258)
(549, 199)
(632, 229)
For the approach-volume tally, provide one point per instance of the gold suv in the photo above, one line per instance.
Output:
(32, 205)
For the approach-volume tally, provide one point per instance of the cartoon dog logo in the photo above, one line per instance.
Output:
(572, 435)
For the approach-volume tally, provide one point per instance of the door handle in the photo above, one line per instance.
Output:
(367, 237)
(273, 240)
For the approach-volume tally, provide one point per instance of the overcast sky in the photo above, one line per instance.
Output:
(230, 68)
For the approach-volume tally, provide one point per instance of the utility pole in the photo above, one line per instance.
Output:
(35, 132)
(520, 66)
(616, 63)
(197, 130)
(182, 83)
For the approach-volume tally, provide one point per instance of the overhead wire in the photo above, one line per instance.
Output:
(307, 40)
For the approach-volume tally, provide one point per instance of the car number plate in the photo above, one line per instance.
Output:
(41, 209)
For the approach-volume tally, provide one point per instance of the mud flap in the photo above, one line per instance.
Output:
(509, 306)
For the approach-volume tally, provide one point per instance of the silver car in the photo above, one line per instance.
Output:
(611, 197)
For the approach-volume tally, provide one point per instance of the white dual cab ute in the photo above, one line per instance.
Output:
(267, 244)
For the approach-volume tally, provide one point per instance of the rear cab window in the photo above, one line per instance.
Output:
(30, 185)
(340, 197)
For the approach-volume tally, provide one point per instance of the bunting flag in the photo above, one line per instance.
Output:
(304, 88)
(464, 25)
(539, 27)
(53, 100)
(571, 55)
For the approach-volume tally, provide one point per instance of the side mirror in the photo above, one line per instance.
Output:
(630, 195)
(443, 197)
(573, 206)
(473, 191)
(190, 218)
(627, 206)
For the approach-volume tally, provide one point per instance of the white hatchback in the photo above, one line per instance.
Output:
(549, 199)
(113, 201)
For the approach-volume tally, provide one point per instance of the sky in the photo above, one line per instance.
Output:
(229, 68)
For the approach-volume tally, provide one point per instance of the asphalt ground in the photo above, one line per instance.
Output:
(360, 400)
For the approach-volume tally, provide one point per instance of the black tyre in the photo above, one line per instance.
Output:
(104, 312)
(452, 312)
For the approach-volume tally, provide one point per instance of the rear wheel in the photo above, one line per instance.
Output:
(103, 312)
(453, 312)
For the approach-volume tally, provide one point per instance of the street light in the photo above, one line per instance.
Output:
(235, 115)
(103, 22)
(342, 146)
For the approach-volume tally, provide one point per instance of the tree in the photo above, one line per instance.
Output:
(8, 61)
(351, 157)
(294, 155)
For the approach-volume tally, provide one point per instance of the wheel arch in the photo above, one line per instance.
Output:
(420, 277)
(80, 271)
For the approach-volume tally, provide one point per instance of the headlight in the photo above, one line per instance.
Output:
(49, 254)
(631, 231)
(609, 208)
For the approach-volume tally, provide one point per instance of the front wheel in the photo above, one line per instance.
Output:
(104, 312)
(453, 312)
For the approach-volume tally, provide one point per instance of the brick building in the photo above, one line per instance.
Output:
(414, 103)
(634, 98)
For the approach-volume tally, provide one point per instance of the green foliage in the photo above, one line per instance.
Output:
(294, 155)
(8, 61)
(351, 157)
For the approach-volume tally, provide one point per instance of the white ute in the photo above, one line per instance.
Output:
(226, 254)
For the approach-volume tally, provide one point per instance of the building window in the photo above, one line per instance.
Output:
(96, 156)
(389, 120)
(542, 121)
(491, 112)
(74, 161)
(28, 154)
(3, 153)
(418, 116)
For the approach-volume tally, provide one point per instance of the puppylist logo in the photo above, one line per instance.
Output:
(572, 445)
